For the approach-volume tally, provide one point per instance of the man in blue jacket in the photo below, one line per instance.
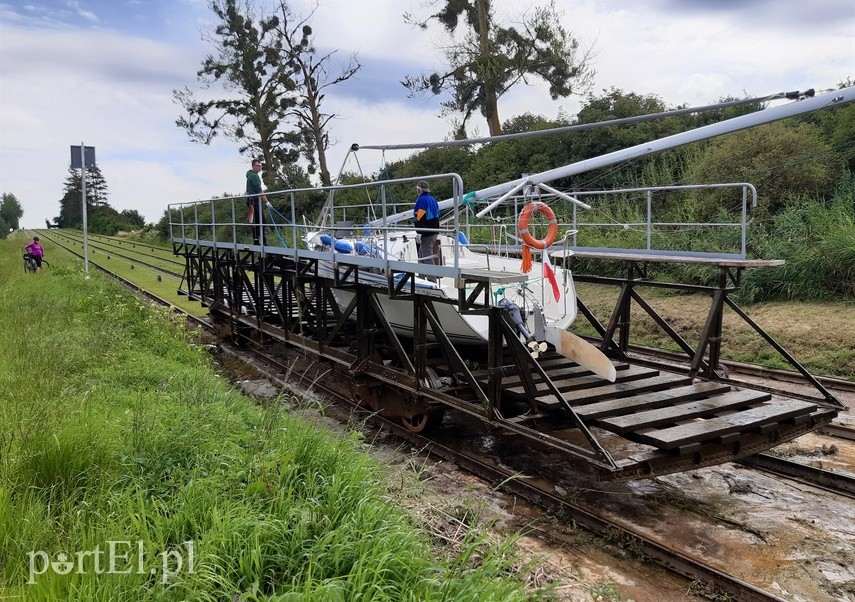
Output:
(426, 214)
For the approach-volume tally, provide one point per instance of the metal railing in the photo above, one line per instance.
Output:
(218, 222)
(504, 238)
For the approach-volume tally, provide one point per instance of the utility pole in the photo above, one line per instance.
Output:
(83, 157)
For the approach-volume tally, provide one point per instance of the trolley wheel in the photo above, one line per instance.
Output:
(423, 422)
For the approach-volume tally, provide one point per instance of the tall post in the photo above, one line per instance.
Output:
(85, 224)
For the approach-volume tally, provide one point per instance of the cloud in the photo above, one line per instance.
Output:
(61, 89)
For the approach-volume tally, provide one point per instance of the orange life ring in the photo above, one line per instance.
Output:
(525, 215)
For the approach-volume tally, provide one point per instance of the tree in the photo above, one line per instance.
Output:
(255, 63)
(491, 59)
(10, 213)
(133, 218)
(71, 208)
(313, 74)
(96, 186)
(784, 159)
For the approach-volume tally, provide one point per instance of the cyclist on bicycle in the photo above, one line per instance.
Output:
(35, 250)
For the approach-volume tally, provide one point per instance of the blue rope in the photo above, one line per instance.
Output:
(270, 210)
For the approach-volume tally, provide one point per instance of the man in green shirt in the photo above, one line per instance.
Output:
(254, 196)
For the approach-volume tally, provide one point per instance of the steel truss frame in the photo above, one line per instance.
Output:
(705, 357)
(272, 297)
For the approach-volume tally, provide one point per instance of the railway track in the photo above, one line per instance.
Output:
(164, 265)
(703, 576)
(543, 493)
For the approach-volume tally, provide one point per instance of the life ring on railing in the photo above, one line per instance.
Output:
(525, 216)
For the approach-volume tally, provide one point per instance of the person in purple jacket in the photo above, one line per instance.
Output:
(35, 250)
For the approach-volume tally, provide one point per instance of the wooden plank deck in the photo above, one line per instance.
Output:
(714, 428)
(734, 400)
(576, 380)
(638, 403)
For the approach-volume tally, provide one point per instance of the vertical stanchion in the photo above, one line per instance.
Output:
(85, 212)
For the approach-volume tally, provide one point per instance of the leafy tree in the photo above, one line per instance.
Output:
(96, 186)
(493, 58)
(510, 159)
(255, 62)
(781, 159)
(106, 220)
(71, 208)
(430, 161)
(133, 218)
(661, 168)
(10, 213)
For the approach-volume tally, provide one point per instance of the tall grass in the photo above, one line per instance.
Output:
(115, 428)
(817, 240)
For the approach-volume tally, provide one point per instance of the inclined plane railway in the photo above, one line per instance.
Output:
(654, 419)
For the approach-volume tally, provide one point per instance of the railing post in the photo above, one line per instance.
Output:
(213, 227)
(234, 225)
(744, 220)
(649, 218)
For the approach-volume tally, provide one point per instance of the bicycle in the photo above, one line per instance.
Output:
(30, 264)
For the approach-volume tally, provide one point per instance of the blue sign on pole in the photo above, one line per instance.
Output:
(88, 157)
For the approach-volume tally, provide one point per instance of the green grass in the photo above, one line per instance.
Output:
(115, 427)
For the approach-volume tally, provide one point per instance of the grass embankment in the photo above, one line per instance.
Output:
(130, 471)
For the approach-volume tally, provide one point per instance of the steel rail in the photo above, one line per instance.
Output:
(835, 482)
(660, 553)
(639, 352)
(130, 259)
(106, 241)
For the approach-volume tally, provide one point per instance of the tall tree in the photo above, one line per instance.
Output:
(492, 58)
(10, 213)
(254, 63)
(314, 73)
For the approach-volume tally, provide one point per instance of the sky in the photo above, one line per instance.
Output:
(101, 73)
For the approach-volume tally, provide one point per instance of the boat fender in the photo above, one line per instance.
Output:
(516, 317)
(362, 248)
(342, 246)
(461, 238)
(326, 240)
